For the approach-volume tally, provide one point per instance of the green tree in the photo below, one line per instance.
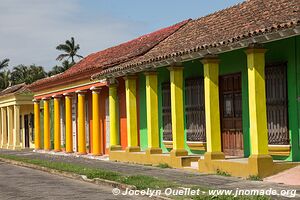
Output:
(4, 79)
(59, 69)
(27, 74)
(70, 50)
(4, 63)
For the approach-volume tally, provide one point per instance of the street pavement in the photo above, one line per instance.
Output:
(21, 183)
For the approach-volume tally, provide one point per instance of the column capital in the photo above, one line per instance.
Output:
(36, 100)
(210, 58)
(81, 92)
(176, 66)
(149, 73)
(68, 94)
(255, 48)
(46, 98)
(57, 96)
(112, 81)
(95, 89)
(130, 77)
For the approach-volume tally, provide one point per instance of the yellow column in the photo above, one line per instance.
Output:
(46, 125)
(10, 126)
(16, 132)
(81, 123)
(131, 114)
(4, 128)
(0, 128)
(69, 131)
(212, 109)
(176, 81)
(57, 123)
(113, 117)
(37, 130)
(152, 113)
(96, 122)
(257, 101)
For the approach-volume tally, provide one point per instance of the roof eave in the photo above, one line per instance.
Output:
(201, 52)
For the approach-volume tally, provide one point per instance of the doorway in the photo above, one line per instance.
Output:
(26, 128)
(231, 114)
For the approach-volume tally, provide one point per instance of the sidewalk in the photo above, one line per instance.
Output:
(176, 175)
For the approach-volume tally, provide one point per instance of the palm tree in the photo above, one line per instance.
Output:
(27, 74)
(70, 49)
(59, 69)
(4, 79)
(4, 63)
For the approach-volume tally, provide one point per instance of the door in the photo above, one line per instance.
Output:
(231, 114)
(166, 112)
(107, 142)
(74, 123)
(26, 127)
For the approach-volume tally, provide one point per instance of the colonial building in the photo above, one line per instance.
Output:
(16, 127)
(221, 91)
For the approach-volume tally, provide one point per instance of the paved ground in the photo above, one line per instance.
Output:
(180, 176)
(24, 183)
(290, 177)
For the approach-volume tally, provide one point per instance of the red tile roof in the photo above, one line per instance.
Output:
(15, 89)
(244, 20)
(96, 62)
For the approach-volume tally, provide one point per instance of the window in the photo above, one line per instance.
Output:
(195, 109)
(276, 97)
(166, 112)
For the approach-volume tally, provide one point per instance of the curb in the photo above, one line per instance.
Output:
(97, 181)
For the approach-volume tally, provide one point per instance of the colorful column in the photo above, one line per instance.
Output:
(16, 132)
(57, 140)
(176, 81)
(81, 123)
(131, 114)
(37, 130)
(113, 117)
(0, 128)
(4, 128)
(152, 113)
(10, 126)
(46, 124)
(257, 102)
(212, 109)
(96, 121)
(69, 128)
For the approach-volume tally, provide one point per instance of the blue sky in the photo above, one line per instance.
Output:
(31, 29)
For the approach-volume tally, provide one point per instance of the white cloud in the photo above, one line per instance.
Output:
(31, 29)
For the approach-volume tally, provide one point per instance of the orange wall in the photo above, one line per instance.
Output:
(122, 113)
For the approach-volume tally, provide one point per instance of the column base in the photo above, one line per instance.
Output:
(3, 146)
(178, 152)
(17, 147)
(9, 147)
(47, 149)
(69, 151)
(115, 148)
(81, 153)
(153, 151)
(214, 156)
(133, 149)
(260, 165)
(56, 150)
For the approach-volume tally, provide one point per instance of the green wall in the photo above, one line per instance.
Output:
(143, 111)
(236, 62)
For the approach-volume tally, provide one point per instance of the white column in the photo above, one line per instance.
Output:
(3, 128)
(10, 126)
(16, 135)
